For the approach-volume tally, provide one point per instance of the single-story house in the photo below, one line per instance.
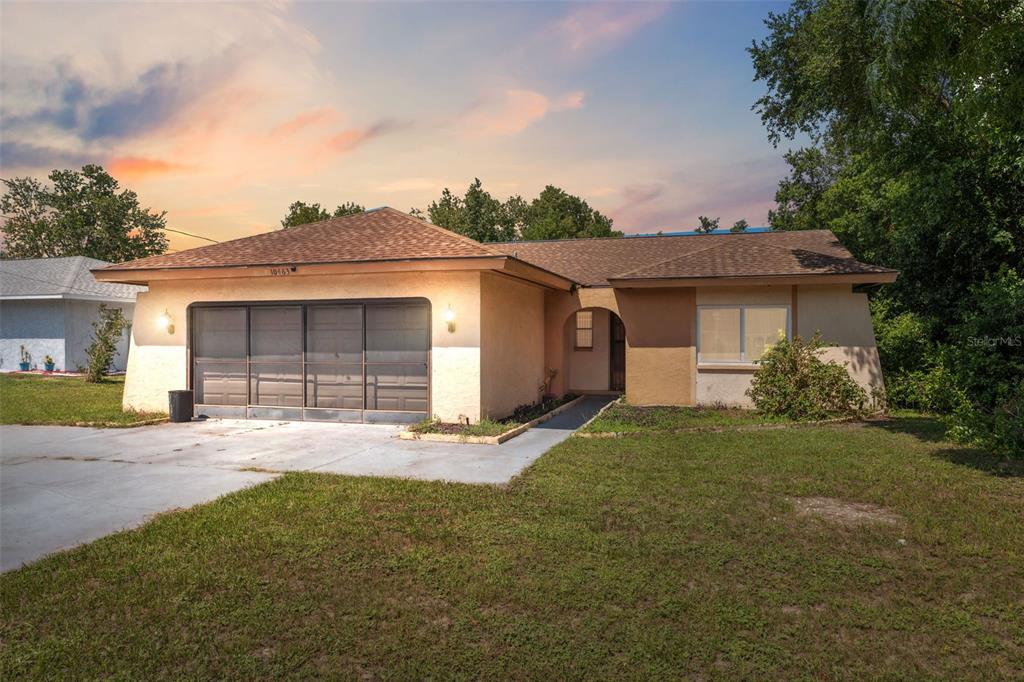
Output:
(47, 307)
(381, 317)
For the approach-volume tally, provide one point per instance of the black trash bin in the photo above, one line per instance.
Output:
(181, 405)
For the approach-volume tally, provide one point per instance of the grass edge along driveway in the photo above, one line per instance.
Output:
(39, 399)
(650, 557)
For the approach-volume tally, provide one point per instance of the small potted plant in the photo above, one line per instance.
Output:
(48, 363)
(26, 360)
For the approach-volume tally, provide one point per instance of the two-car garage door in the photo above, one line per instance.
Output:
(327, 361)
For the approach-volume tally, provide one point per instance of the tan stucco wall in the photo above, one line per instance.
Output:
(841, 315)
(512, 348)
(660, 354)
(589, 370)
(844, 319)
(157, 361)
(744, 295)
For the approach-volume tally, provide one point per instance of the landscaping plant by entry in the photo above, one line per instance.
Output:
(491, 432)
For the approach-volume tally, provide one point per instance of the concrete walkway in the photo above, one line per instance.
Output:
(62, 485)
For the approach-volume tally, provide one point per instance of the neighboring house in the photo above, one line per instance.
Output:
(48, 305)
(381, 317)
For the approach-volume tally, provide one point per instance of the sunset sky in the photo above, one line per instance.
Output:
(223, 114)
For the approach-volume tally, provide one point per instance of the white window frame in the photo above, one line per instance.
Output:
(743, 328)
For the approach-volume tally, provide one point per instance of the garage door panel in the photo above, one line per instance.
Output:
(276, 385)
(396, 387)
(334, 333)
(220, 384)
(220, 334)
(275, 333)
(330, 386)
(397, 333)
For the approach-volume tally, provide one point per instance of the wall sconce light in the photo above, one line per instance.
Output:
(449, 317)
(165, 322)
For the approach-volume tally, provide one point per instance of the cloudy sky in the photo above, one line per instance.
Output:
(223, 114)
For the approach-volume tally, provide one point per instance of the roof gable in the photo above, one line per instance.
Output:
(375, 235)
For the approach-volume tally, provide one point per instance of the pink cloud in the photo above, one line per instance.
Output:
(513, 111)
(568, 101)
(348, 140)
(305, 120)
(637, 195)
(591, 27)
(131, 168)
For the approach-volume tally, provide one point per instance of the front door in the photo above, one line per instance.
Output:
(617, 335)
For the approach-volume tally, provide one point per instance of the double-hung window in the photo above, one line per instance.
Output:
(739, 333)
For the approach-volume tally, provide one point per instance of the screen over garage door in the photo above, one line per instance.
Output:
(329, 361)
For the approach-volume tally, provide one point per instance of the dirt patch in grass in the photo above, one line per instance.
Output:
(844, 513)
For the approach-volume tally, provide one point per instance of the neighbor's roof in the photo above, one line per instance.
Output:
(69, 277)
(375, 235)
(597, 262)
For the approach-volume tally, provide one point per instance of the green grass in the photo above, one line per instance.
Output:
(626, 418)
(34, 399)
(655, 557)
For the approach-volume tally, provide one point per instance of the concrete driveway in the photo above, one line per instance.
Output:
(61, 486)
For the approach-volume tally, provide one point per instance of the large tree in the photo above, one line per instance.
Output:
(914, 115)
(476, 214)
(301, 213)
(554, 214)
(83, 213)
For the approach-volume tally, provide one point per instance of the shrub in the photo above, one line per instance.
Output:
(106, 333)
(999, 429)
(793, 382)
(934, 389)
(904, 339)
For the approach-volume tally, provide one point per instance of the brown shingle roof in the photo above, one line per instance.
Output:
(593, 262)
(375, 235)
(386, 234)
(733, 258)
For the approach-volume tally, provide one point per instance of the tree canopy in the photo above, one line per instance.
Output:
(554, 214)
(83, 213)
(915, 114)
(707, 225)
(301, 213)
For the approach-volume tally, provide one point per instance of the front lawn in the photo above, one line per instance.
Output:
(625, 418)
(38, 399)
(852, 551)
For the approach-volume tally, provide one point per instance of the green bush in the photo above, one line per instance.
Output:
(985, 353)
(106, 333)
(793, 382)
(934, 389)
(999, 430)
(903, 339)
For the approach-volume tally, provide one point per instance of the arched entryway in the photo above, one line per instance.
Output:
(595, 351)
